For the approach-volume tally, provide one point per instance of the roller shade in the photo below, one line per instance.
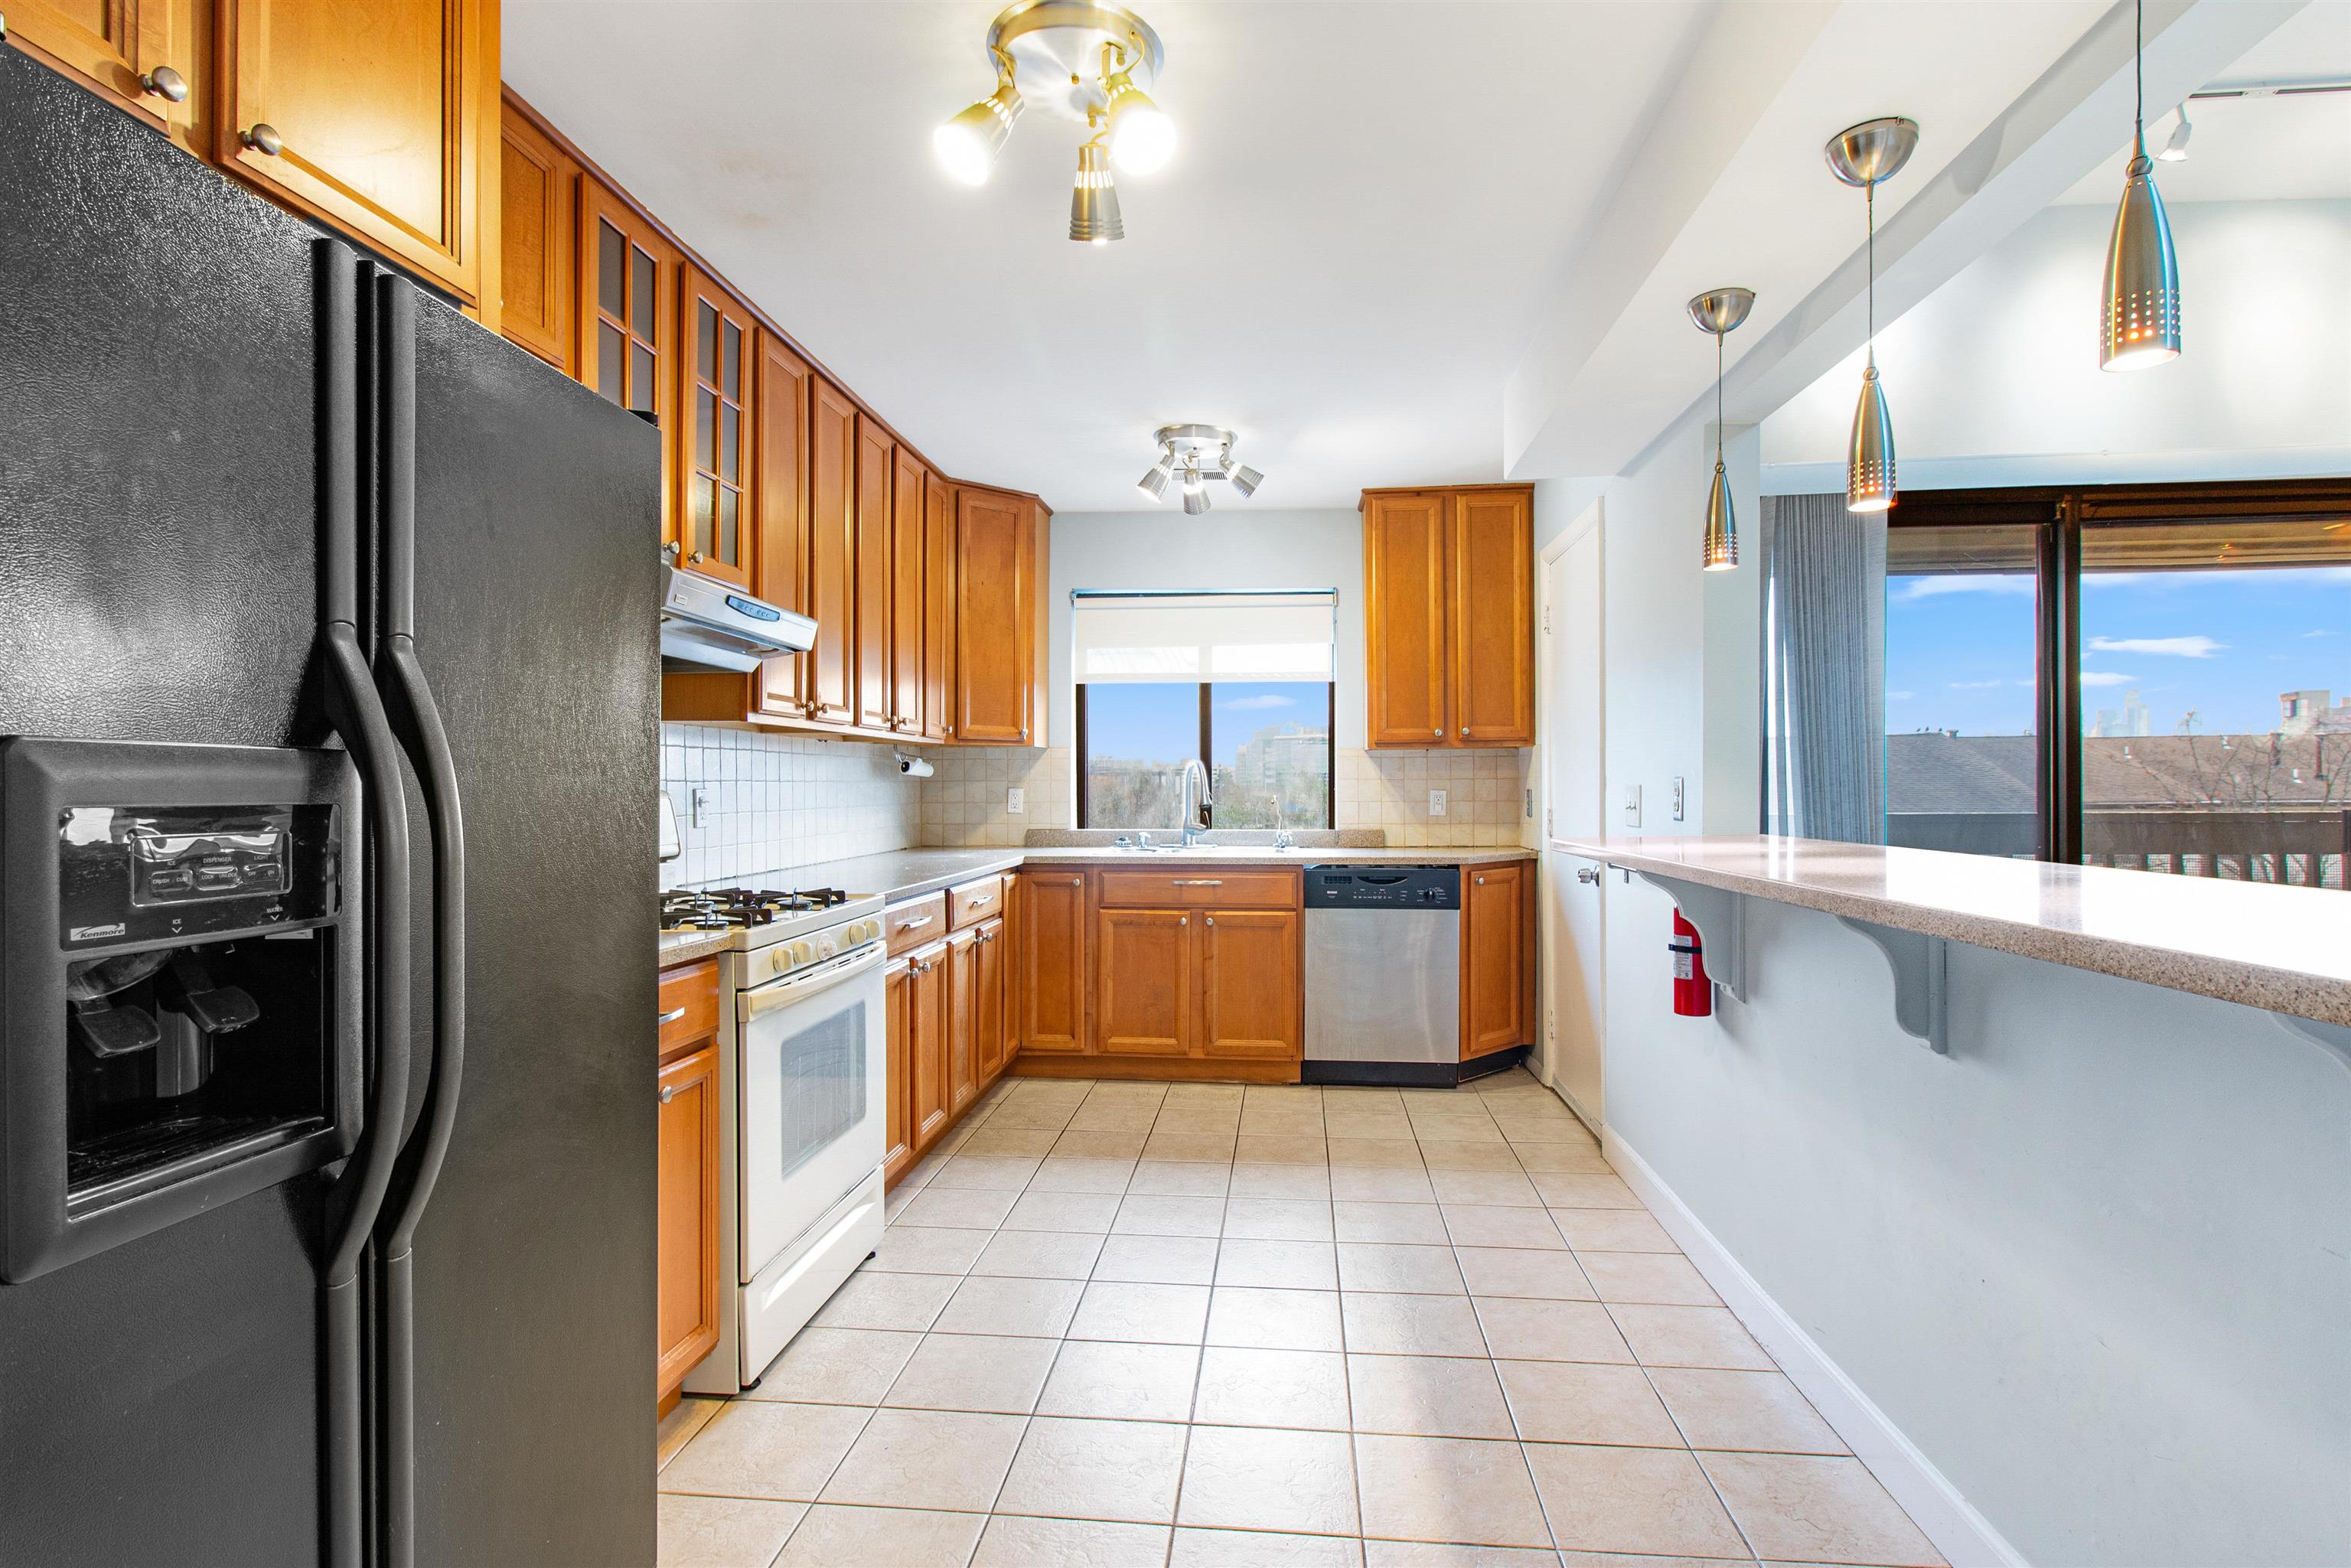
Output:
(1202, 637)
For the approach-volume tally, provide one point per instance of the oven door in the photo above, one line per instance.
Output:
(811, 1101)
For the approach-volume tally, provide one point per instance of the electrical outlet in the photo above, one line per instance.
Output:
(1016, 802)
(697, 803)
(1632, 805)
(1436, 802)
(1678, 798)
(1530, 805)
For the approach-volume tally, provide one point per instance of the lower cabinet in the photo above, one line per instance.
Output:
(1252, 998)
(1497, 1003)
(949, 1031)
(897, 1101)
(1195, 986)
(686, 1212)
(1050, 967)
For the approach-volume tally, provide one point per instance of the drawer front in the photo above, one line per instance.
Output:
(915, 922)
(1206, 888)
(687, 1004)
(974, 902)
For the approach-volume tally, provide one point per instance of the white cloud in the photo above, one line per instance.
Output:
(2321, 632)
(2178, 647)
(1267, 699)
(1899, 697)
(2104, 678)
(1963, 582)
(1973, 685)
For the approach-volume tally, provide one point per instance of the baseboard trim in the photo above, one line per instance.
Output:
(1958, 1531)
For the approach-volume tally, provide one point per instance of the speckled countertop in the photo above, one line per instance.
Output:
(2284, 949)
(685, 947)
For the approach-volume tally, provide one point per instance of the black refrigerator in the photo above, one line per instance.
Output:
(271, 520)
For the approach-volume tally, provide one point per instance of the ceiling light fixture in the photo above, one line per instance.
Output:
(1718, 311)
(1203, 452)
(1863, 155)
(1079, 60)
(2140, 324)
(2176, 150)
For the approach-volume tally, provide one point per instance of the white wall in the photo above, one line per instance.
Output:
(1994, 378)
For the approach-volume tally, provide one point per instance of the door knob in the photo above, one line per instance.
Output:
(163, 82)
(264, 138)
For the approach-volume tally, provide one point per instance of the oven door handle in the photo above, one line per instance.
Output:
(800, 988)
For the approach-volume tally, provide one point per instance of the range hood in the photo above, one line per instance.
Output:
(705, 625)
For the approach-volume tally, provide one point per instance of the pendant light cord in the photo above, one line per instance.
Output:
(1869, 198)
(1718, 399)
(2138, 80)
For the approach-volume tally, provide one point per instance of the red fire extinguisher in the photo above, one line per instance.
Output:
(1693, 992)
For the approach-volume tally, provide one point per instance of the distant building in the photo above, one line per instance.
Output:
(2310, 713)
(2130, 719)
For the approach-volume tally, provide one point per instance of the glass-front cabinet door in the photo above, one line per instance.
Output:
(714, 507)
(629, 281)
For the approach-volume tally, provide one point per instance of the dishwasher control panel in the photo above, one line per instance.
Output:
(1398, 887)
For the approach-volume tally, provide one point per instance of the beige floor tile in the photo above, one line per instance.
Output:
(1264, 1478)
(1752, 1410)
(1336, 1096)
(1493, 1225)
(1338, 1123)
(1281, 1148)
(1631, 1559)
(1398, 1266)
(1456, 1130)
(1578, 1402)
(1262, 1548)
(1282, 1094)
(1448, 1488)
(832, 1535)
(985, 1304)
(1278, 1219)
(1122, 1382)
(1419, 1223)
(1217, 1148)
(1068, 1211)
(993, 1373)
(1457, 1157)
(1613, 1230)
(1275, 1318)
(1180, 1178)
(1040, 1254)
(691, 1415)
(916, 1250)
(993, 1173)
(1523, 1271)
(1560, 1129)
(1220, 1120)
(1379, 1154)
(1574, 1157)
(1490, 1188)
(1525, 1329)
(1154, 1214)
(767, 1450)
(1010, 1542)
(1658, 1278)
(1282, 1181)
(1246, 1386)
(1158, 1259)
(1279, 1265)
(1113, 1117)
(722, 1532)
(1077, 1143)
(958, 1208)
(1096, 1470)
(995, 1140)
(1447, 1554)
(1691, 1336)
(837, 1366)
(1197, 1094)
(1022, 1111)
(1082, 1173)
(1573, 1189)
(905, 1301)
(1428, 1397)
(1380, 1183)
(1281, 1121)
(1380, 1324)
(1145, 1314)
(1798, 1507)
(926, 1458)
(1631, 1499)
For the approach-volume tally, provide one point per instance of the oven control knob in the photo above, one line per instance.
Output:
(802, 952)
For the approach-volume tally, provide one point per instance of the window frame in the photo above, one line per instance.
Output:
(1205, 753)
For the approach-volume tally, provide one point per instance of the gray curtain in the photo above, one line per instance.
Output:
(1825, 693)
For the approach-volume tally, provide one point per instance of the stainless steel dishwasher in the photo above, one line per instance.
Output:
(1383, 973)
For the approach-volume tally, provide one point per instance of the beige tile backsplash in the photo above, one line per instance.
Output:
(773, 800)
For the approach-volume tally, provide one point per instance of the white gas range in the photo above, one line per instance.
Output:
(801, 1110)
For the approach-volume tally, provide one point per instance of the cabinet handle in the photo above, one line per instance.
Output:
(916, 924)
(671, 1017)
(668, 1094)
(1208, 920)
(264, 138)
(982, 902)
(165, 83)
(1197, 881)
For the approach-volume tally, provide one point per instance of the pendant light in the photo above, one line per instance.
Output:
(1094, 198)
(1717, 311)
(1863, 155)
(2140, 324)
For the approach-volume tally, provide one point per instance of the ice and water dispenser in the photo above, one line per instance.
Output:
(180, 984)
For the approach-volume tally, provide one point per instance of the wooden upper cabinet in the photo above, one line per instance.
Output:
(384, 117)
(628, 308)
(1404, 620)
(538, 228)
(780, 501)
(909, 554)
(938, 608)
(1251, 996)
(1494, 939)
(1493, 609)
(116, 46)
(715, 395)
(1143, 985)
(1050, 979)
(995, 615)
(877, 459)
(832, 551)
(686, 1267)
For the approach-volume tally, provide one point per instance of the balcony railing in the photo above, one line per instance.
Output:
(2304, 847)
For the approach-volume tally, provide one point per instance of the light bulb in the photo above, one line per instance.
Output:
(2176, 150)
(1155, 484)
(967, 145)
(1093, 199)
(1142, 137)
(1245, 479)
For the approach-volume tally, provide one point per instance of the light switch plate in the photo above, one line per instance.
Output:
(1016, 802)
(697, 803)
(1678, 798)
(1632, 805)
(1436, 802)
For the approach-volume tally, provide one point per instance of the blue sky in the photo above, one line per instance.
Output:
(1150, 720)
(2223, 644)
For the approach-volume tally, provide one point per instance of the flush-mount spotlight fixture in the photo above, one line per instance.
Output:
(1199, 453)
(2140, 324)
(1718, 311)
(1863, 155)
(2176, 150)
(1077, 60)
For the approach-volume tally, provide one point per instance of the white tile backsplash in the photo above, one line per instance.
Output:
(773, 800)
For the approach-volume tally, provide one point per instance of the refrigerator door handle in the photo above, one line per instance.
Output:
(356, 713)
(417, 721)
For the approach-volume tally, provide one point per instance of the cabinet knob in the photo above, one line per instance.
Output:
(1465, 732)
(1183, 920)
(1208, 919)
(668, 1094)
(1481, 881)
(1077, 881)
(165, 83)
(264, 138)
(695, 558)
(1438, 732)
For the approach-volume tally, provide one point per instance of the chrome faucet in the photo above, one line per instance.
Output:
(1194, 767)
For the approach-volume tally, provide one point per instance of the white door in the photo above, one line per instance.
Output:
(1573, 786)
